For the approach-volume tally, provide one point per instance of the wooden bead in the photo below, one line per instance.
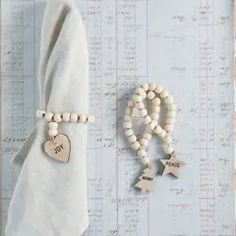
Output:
(144, 142)
(137, 98)
(131, 103)
(156, 108)
(158, 129)
(168, 149)
(128, 111)
(73, 117)
(91, 119)
(145, 86)
(52, 132)
(164, 94)
(152, 124)
(127, 118)
(147, 136)
(168, 128)
(171, 107)
(150, 95)
(127, 125)
(48, 116)
(140, 105)
(53, 125)
(169, 100)
(162, 134)
(135, 145)
(158, 89)
(140, 91)
(57, 117)
(129, 132)
(171, 114)
(132, 139)
(40, 114)
(168, 140)
(143, 112)
(169, 120)
(66, 117)
(156, 101)
(151, 86)
(142, 153)
(82, 118)
(147, 120)
(155, 116)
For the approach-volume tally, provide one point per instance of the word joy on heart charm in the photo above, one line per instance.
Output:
(58, 148)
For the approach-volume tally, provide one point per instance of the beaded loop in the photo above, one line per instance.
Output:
(55, 118)
(157, 96)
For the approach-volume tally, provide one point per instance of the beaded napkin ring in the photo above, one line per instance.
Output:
(156, 95)
(59, 145)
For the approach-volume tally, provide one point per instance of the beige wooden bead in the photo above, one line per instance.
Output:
(145, 86)
(127, 125)
(155, 116)
(162, 134)
(137, 98)
(172, 107)
(129, 132)
(40, 114)
(156, 108)
(164, 94)
(143, 112)
(140, 105)
(57, 117)
(170, 120)
(169, 100)
(141, 92)
(145, 161)
(142, 153)
(53, 125)
(147, 136)
(147, 120)
(156, 101)
(127, 118)
(158, 129)
(171, 114)
(151, 86)
(52, 132)
(169, 128)
(74, 117)
(128, 111)
(135, 145)
(150, 95)
(152, 124)
(158, 89)
(168, 149)
(144, 142)
(82, 118)
(48, 116)
(66, 117)
(91, 119)
(132, 139)
(168, 140)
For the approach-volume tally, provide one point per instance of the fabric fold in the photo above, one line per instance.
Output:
(50, 198)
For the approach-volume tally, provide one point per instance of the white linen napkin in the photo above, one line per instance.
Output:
(50, 198)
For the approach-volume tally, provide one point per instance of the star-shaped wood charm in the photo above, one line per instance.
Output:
(171, 165)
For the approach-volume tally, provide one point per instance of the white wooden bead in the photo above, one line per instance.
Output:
(129, 132)
(169, 128)
(144, 142)
(131, 103)
(152, 124)
(141, 92)
(156, 101)
(155, 116)
(142, 153)
(53, 125)
(127, 125)
(128, 111)
(52, 132)
(91, 119)
(162, 134)
(158, 129)
(140, 105)
(135, 145)
(170, 120)
(164, 94)
(156, 108)
(66, 117)
(158, 89)
(57, 117)
(132, 139)
(40, 113)
(82, 118)
(171, 107)
(168, 140)
(147, 136)
(150, 95)
(145, 86)
(168, 149)
(169, 100)
(143, 112)
(73, 117)
(147, 120)
(171, 114)
(48, 116)
(151, 86)
(137, 98)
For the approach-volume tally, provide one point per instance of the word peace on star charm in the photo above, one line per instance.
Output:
(172, 165)
(156, 98)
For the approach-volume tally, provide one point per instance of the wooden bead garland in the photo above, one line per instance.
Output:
(156, 95)
(58, 147)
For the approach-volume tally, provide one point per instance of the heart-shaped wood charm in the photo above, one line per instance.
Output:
(58, 148)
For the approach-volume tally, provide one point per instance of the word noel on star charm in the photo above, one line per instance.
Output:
(58, 146)
(155, 96)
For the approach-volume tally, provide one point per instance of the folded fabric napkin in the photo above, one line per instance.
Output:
(50, 198)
